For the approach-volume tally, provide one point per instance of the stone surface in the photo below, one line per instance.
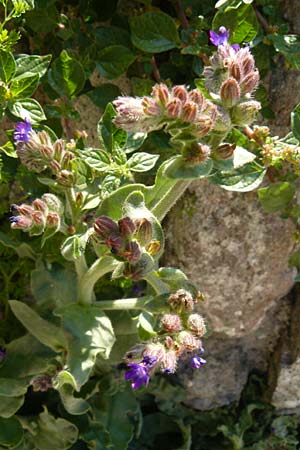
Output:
(238, 255)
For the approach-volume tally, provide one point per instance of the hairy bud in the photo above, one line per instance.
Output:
(53, 220)
(188, 341)
(160, 92)
(174, 108)
(181, 301)
(105, 226)
(235, 71)
(197, 97)
(189, 112)
(126, 227)
(230, 92)
(224, 151)
(181, 93)
(53, 203)
(154, 247)
(196, 324)
(250, 82)
(157, 351)
(39, 205)
(169, 363)
(132, 252)
(144, 231)
(245, 113)
(171, 323)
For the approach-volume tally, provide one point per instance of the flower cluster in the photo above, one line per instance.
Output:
(179, 337)
(127, 240)
(37, 153)
(42, 214)
(231, 79)
(172, 108)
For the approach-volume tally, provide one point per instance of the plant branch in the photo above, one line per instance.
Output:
(156, 73)
(158, 285)
(126, 303)
(181, 14)
(170, 198)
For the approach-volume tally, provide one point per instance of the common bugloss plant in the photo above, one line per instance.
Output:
(94, 225)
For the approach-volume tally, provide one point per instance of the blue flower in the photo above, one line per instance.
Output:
(139, 372)
(220, 38)
(197, 362)
(22, 131)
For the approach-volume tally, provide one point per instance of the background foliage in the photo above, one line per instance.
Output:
(62, 44)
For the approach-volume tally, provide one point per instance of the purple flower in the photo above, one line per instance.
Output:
(2, 353)
(22, 131)
(220, 38)
(197, 362)
(139, 372)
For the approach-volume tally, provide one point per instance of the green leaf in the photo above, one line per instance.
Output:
(26, 356)
(134, 141)
(276, 196)
(154, 32)
(24, 86)
(9, 149)
(73, 247)
(53, 288)
(242, 23)
(27, 108)
(142, 162)
(9, 406)
(114, 60)
(289, 46)
(7, 66)
(104, 94)
(65, 384)
(52, 433)
(66, 75)
(97, 159)
(90, 333)
(178, 168)
(47, 333)
(115, 413)
(145, 325)
(110, 35)
(32, 64)
(10, 387)
(244, 179)
(109, 135)
(295, 122)
(23, 250)
(11, 432)
(43, 19)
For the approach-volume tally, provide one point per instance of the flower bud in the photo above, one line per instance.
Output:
(174, 108)
(53, 220)
(53, 203)
(246, 60)
(65, 177)
(181, 93)
(160, 92)
(196, 324)
(66, 159)
(188, 341)
(115, 242)
(169, 363)
(132, 252)
(47, 151)
(235, 70)
(198, 153)
(181, 301)
(245, 113)
(189, 112)
(203, 126)
(197, 362)
(150, 106)
(21, 222)
(126, 227)
(78, 199)
(105, 226)
(144, 231)
(157, 351)
(171, 323)
(154, 247)
(250, 82)
(24, 209)
(58, 147)
(39, 205)
(230, 92)
(224, 151)
(197, 97)
(38, 218)
(55, 166)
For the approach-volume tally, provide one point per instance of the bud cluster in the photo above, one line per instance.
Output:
(232, 77)
(37, 153)
(172, 108)
(179, 337)
(126, 238)
(42, 214)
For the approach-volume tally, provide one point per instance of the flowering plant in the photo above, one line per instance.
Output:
(94, 220)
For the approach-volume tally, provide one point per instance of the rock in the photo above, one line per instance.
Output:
(238, 255)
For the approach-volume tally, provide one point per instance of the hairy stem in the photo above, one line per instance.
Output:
(158, 285)
(163, 206)
(87, 282)
(126, 303)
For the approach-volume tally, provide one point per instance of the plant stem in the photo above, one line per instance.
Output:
(158, 285)
(155, 70)
(126, 303)
(81, 266)
(87, 282)
(164, 205)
